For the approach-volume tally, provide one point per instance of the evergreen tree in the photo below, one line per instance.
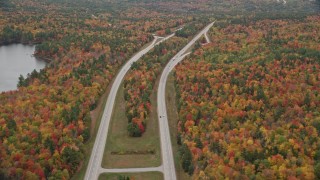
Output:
(307, 99)
(198, 143)
(186, 159)
(71, 157)
(134, 130)
(49, 145)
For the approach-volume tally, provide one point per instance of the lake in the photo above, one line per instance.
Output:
(16, 59)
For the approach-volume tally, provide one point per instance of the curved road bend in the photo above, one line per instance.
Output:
(166, 147)
(94, 166)
(207, 38)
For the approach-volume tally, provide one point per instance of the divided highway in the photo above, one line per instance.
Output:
(94, 166)
(166, 147)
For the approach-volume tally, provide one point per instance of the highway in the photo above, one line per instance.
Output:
(166, 146)
(94, 166)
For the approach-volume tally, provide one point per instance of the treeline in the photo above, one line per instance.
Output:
(6, 5)
(11, 34)
(14, 35)
(41, 76)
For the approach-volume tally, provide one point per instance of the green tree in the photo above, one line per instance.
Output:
(49, 145)
(198, 143)
(27, 36)
(317, 156)
(71, 157)
(11, 124)
(179, 138)
(135, 65)
(86, 134)
(22, 82)
(134, 130)
(186, 159)
(307, 99)
(317, 170)
(75, 111)
(260, 94)
(6, 5)
(215, 147)
(316, 124)
(168, 31)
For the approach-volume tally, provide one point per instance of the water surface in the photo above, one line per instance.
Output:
(16, 59)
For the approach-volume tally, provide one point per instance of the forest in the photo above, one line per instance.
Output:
(45, 124)
(252, 112)
(249, 102)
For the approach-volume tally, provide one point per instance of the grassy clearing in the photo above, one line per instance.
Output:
(138, 176)
(173, 121)
(119, 141)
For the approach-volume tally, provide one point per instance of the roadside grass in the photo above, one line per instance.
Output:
(96, 116)
(119, 141)
(173, 121)
(137, 176)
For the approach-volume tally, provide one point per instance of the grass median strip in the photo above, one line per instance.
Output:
(136, 106)
(119, 143)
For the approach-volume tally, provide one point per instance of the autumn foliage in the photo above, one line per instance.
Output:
(249, 102)
(139, 83)
(45, 124)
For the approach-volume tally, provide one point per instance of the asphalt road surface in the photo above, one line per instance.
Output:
(166, 147)
(94, 166)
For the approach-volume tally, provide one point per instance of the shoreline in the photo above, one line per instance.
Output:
(31, 43)
(43, 58)
(30, 54)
